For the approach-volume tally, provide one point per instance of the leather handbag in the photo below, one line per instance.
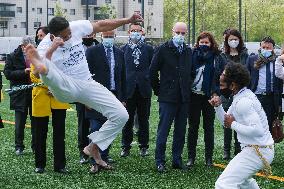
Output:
(277, 131)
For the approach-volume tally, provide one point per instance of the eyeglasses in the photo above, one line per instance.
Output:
(182, 33)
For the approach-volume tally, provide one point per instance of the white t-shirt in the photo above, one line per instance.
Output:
(72, 60)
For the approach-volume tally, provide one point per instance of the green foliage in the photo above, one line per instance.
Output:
(108, 10)
(59, 11)
(264, 17)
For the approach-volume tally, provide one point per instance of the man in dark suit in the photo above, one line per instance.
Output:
(1, 122)
(171, 81)
(17, 71)
(267, 87)
(106, 64)
(137, 57)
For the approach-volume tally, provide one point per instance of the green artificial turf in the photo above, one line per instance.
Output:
(131, 172)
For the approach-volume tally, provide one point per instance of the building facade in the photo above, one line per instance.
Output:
(21, 17)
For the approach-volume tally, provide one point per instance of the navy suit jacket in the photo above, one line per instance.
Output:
(171, 73)
(138, 76)
(254, 74)
(99, 68)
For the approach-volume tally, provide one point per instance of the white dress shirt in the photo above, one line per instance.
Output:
(250, 122)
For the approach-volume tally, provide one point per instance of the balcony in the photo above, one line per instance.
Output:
(101, 16)
(90, 2)
(7, 14)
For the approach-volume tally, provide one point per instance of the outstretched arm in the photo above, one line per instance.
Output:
(111, 24)
(279, 70)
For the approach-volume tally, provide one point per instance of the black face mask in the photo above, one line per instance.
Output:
(88, 41)
(226, 92)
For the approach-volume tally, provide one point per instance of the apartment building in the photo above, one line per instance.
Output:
(21, 17)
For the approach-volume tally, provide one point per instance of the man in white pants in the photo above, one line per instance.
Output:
(247, 117)
(66, 72)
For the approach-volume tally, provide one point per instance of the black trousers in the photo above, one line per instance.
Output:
(83, 129)
(20, 122)
(41, 129)
(228, 139)
(142, 105)
(198, 104)
(226, 103)
(267, 102)
(1, 122)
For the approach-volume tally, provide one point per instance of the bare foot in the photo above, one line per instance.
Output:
(35, 59)
(93, 151)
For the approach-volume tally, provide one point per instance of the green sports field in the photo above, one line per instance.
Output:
(132, 172)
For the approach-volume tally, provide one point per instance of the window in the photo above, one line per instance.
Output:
(155, 29)
(139, 1)
(65, 10)
(3, 24)
(19, 9)
(39, 10)
(108, 1)
(23, 24)
(37, 25)
(15, 26)
(33, 9)
(68, 0)
(150, 2)
(50, 11)
(72, 11)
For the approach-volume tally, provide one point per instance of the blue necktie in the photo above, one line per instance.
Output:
(268, 78)
(109, 57)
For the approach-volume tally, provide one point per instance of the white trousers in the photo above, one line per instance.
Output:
(238, 174)
(92, 94)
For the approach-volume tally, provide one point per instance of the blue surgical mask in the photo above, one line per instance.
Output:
(178, 39)
(135, 36)
(266, 53)
(108, 42)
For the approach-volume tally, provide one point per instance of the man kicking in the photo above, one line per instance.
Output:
(247, 117)
(61, 63)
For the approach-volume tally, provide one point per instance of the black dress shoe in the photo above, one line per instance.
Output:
(179, 166)
(190, 162)
(161, 168)
(125, 153)
(39, 170)
(209, 162)
(62, 171)
(144, 152)
(226, 155)
(109, 160)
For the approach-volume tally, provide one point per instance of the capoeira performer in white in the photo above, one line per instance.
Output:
(247, 117)
(61, 64)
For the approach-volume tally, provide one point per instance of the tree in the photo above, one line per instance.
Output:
(59, 11)
(108, 11)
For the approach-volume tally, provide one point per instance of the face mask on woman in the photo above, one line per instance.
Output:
(234, 43)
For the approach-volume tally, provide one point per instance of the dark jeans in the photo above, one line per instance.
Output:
(1, 122)
(95, 125)
(41, 129)
(142, 105)
(83, 129)
(198, 104)
(169, 112)
(20, 122)
(267, 102)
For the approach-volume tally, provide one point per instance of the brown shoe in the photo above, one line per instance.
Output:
(105, 167)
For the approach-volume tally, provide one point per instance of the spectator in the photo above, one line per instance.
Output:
(106, 64)
(137, 57)
(205, 85)
(234, 51)
(1, 122)
(171, 81)
(17, 71)
(267, 87)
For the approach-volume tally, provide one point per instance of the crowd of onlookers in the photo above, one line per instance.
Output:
(183, 78)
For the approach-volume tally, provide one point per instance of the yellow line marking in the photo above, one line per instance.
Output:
(13, 123)
(281, 179)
